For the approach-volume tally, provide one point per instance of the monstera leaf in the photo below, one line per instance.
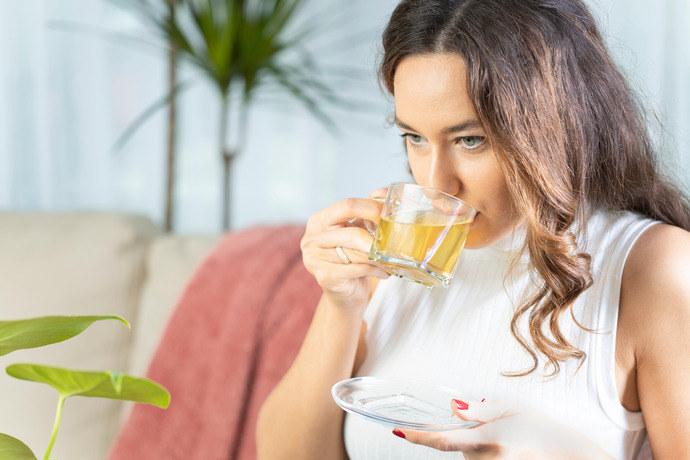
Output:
(45, 330)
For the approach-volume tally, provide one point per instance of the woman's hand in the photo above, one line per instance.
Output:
(343, 283)
(507, 431)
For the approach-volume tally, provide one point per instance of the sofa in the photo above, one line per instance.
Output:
(233, 334)
(87, 263)
(216, 319)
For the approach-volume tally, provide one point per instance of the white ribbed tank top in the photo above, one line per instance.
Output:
(460, 337)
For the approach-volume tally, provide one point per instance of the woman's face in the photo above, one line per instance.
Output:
(447, 147)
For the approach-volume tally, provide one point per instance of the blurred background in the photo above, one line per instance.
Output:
(77, 74)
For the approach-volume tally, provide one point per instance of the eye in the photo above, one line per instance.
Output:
(413, 138)
(472, 142)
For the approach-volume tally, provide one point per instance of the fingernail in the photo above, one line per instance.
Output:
(483, 399)
(399, 433)
(462, 405)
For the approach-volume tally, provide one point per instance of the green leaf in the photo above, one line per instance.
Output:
(282, 14)
(94, 384)
(45, 330)
(241, 46)
(13, 449)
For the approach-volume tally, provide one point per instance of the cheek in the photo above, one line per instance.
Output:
(504, 216)
(500, 191)
(498, 198)
(498, 215)
(484, 181)
(418, 168)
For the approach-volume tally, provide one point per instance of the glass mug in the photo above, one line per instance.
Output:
(421, 234)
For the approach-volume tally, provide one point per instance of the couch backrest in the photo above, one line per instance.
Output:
(171, 261)
(75, 264)
(234, 333)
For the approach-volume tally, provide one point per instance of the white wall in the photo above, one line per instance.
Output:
(66, 96)
(651, 42)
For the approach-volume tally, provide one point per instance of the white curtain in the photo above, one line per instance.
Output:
(67, 95)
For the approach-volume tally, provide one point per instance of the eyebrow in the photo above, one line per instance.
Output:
(464, 126)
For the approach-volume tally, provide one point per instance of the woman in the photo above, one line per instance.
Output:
(569, 312)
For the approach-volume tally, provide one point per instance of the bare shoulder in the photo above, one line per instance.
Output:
(655, 289)
(659, 264)
(654, 322)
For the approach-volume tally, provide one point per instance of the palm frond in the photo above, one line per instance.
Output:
(255, 42)
(149, 112)
(307, 100)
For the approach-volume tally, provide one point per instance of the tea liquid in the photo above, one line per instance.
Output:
(422, 246)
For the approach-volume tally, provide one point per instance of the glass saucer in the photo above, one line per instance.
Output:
(398, 403)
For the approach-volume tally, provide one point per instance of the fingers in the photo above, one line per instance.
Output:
(481, 411)
(323, 262)
(455, 440)
(379, 193)
(478, 438)
(353, 270)
(318, 248)
(338, 214)
(351, 238)
(328, 229)
(347, 256)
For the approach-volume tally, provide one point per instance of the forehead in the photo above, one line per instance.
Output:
(432, 85)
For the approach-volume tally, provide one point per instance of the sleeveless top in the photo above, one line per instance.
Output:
(460, 338)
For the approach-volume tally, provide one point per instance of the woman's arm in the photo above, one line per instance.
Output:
(299, 418)
(655, 320)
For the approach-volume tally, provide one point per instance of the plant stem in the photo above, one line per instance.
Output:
(56, 426)
(230, 154)
(242, 124)
(172, 112)
(227, 158)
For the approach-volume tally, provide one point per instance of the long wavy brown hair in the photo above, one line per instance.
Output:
(568, 131)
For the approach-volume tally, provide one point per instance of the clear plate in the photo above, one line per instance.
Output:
(400, 403)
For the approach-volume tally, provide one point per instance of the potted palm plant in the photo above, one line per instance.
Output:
(241, 47)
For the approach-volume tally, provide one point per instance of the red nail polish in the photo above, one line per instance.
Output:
(462, 405)
(399, 433)
(483, 399)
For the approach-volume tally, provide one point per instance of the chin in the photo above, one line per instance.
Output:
(478, 242)
(480, 236)
(477, 237)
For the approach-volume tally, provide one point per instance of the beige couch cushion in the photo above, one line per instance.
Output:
(82, 263)
(171, 261)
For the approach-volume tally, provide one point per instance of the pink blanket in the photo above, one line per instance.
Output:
(234, 333)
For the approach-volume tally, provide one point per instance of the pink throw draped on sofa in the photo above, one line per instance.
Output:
(234, 333)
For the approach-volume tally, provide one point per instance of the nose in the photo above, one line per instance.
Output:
(443, 175)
